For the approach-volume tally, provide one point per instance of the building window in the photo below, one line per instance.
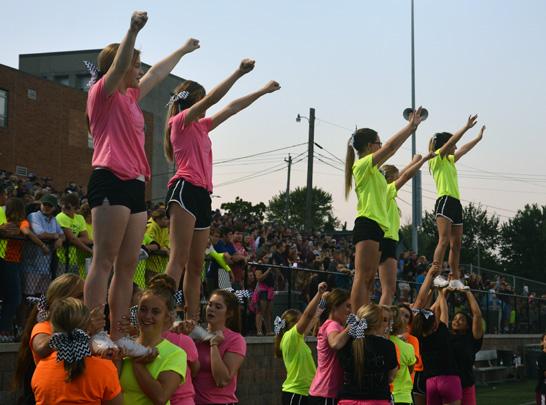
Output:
(3, 108)
(62, 80)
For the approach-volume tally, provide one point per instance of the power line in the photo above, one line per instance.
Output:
(258, 154)
(330, 153)
(328, 164)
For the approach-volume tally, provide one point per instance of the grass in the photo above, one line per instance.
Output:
(508, 393)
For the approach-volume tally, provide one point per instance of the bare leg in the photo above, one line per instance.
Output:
(444, 235)
(387, 277)
(180, 236)
(366, 262)
(192, 276)
(121, 289)
(455, 242)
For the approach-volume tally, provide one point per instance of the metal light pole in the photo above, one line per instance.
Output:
(289, 161)
(308, 225)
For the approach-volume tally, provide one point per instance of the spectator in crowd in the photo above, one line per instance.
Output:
(157, 231)
(262, 298)
(75, 232)
(84, 258)
(37, 270)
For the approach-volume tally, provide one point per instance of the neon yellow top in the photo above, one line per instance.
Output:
(371, 188)
(3, 242)
(403, 384)
(299, 363)
(157, 263)
(170, 358)
(77, 225)
(445, 175)
(393, 213)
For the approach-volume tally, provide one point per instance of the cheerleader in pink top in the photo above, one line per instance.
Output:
(188, 202)
(120, 169)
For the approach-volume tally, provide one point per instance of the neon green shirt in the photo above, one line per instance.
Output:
(393, 213)
(3, 242)
(157, 263)
(170, 358)
(371, 188)
(76, 225)
(445, 175)
(299, 363)
(403, 384)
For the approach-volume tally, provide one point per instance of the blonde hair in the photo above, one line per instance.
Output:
(106, 57)
(290, 317)
(196, 93)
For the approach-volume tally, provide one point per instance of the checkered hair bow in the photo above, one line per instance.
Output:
(357, 326)
(425, 312)
(133, 311)
(71, 347)
(95, 72)
(278, 325)
(240, 294)
(179, 298)
(175, 97)
(41, 304)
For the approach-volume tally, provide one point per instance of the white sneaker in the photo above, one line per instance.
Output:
(458, 285)
(440, 282)
(102, 345)
(200, 334)
(130, 348)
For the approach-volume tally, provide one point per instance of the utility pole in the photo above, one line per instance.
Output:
(310, 156)
(289, 161)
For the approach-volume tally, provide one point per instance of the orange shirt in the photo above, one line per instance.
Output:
(14, 249)
(40, 327)
(412, 340)
(99, 382)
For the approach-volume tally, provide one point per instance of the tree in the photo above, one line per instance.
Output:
(323, 218)
(523, 243)
(480, 237)
(244, 210)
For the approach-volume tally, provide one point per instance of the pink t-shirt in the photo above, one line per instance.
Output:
(206, 391)
(117, 127)
(192, 150)
(329, 377)
(185, 392)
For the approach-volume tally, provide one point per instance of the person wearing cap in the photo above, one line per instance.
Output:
(37, 265)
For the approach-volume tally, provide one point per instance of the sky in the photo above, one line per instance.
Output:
(350, 60)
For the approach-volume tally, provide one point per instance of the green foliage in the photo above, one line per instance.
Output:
(245, 210)
(323, 218)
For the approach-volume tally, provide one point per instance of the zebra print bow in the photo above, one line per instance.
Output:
(133, 311)
(425, 312)
(179, 298)
(95, 72)
(240, 294)
(278, 325)
(70, 347)
(41, 304)
(175, 97)
(357, 326)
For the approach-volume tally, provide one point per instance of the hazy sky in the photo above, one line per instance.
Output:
(351, 61)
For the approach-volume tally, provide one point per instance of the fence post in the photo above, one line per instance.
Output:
(289, 301)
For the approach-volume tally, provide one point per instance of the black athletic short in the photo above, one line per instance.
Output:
(321, 401)
(366, 229)
(195, 200)
(419, 383)
(388, 249)
(290, 398)
(105, 186)
(450, 208)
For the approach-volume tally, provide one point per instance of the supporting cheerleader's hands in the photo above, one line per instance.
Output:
(96, 320)
(217, 338)
(138, 21)
(184, 327)
(191, 45)
(271, 87)
(148, 358)
(246, 66)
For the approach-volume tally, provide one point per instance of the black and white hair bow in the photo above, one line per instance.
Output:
(41, 304)
(278, 325)
(425, 312)
(180, 96)
(70, 347)
(322, 304)
(133, 311)
(95, 72)
(357, 326)
(240, 294)
(179, 298)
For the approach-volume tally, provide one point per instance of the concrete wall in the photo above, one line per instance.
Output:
(261, 376)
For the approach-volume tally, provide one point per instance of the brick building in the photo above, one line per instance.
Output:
(43, 129)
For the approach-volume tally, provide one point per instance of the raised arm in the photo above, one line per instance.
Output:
(124, 55)
(160, 70)
(477, 324)
(308, 315)
(458, 135)
(411, 169)
(393, 144)
(421, 300)
(440, 308)
(216, 94)
(467, 147)
(241, 103)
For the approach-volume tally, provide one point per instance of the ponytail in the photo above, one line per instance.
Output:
(349, 161)
(289, 319)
